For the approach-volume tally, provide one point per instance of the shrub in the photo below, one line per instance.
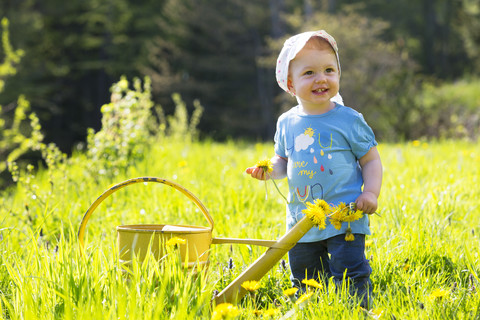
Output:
(129, 126)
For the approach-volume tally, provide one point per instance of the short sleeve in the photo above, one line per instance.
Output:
(362, 138)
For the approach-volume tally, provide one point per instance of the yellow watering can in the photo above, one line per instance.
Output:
(135, 240)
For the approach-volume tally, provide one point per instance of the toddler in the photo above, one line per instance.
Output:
(327, 151)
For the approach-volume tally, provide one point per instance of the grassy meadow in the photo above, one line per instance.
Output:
(424, 249)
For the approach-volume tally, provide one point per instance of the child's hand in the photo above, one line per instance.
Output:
(277, 168)
(367, 202)
(257, 173)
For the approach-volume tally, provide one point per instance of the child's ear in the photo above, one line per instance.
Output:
(290, 85)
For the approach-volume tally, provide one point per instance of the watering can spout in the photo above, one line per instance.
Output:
(255, 242)
(234, 291)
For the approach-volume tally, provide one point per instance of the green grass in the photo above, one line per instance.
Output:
(427, 237)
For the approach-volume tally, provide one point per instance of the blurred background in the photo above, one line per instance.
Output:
(411, 67)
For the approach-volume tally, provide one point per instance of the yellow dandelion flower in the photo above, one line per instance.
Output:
(182, 164)
(304, 297)
(416, 143)
(175, 241)
(344, 213)
(257, 312)
(251, 286)
(349, 235)
(337, 224)
(336, 217)
(270, 313)
(349, 213)
(368, 243)
(225, 311)
(317, 212)
(377, 313)
(352, 215)
(439, 293)
(312, 283)
(266, 165)
(339, 210)
(290, 292)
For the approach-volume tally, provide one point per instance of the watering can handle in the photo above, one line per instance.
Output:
(191, 196)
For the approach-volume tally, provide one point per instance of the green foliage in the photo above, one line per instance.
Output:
(125, 127)
(12, 57)
(20, 137)
(448, 32)
(469, 31)
(179, 126)
(17, 134)
(211, 50)
(448, 110)
(73, 53)
(129, 127)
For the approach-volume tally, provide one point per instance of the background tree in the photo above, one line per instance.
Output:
(428, 29)
(467, 23)
(74, 51)
(210, 54)
(223, 53)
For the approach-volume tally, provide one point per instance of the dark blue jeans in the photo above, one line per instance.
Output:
(333, 257)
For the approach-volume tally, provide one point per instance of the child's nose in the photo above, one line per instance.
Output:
(320, 78)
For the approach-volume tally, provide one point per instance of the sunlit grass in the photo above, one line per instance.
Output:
(424, 248)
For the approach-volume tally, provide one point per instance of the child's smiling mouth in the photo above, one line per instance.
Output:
(319, 91)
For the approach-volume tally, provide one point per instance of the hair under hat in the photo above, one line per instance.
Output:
(292, 47)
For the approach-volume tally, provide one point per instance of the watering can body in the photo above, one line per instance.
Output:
(134, 241)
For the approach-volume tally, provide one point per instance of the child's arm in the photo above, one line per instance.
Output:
(372, 181)
(279, 169)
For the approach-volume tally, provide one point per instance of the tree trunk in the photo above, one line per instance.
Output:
(276, 8)
(429, 36)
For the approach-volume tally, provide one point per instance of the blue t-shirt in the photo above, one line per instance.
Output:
(323, 152)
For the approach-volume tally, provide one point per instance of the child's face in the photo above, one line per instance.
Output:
(314, 76)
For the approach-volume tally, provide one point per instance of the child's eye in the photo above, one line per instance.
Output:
(330, 70)
(308, 73)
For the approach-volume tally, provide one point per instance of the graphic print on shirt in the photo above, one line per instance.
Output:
(310, 166)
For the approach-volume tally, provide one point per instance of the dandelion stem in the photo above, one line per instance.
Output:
(275, 184)
(266, 190)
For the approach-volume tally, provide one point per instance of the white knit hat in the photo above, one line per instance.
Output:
(292, 47)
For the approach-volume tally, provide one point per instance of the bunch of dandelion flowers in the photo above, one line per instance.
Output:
(344, 213)
(317, 212)
(267, 167)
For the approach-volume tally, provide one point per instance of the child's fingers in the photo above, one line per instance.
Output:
(255, 172)
(249, 170)
(365, 206)
(258, 173)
